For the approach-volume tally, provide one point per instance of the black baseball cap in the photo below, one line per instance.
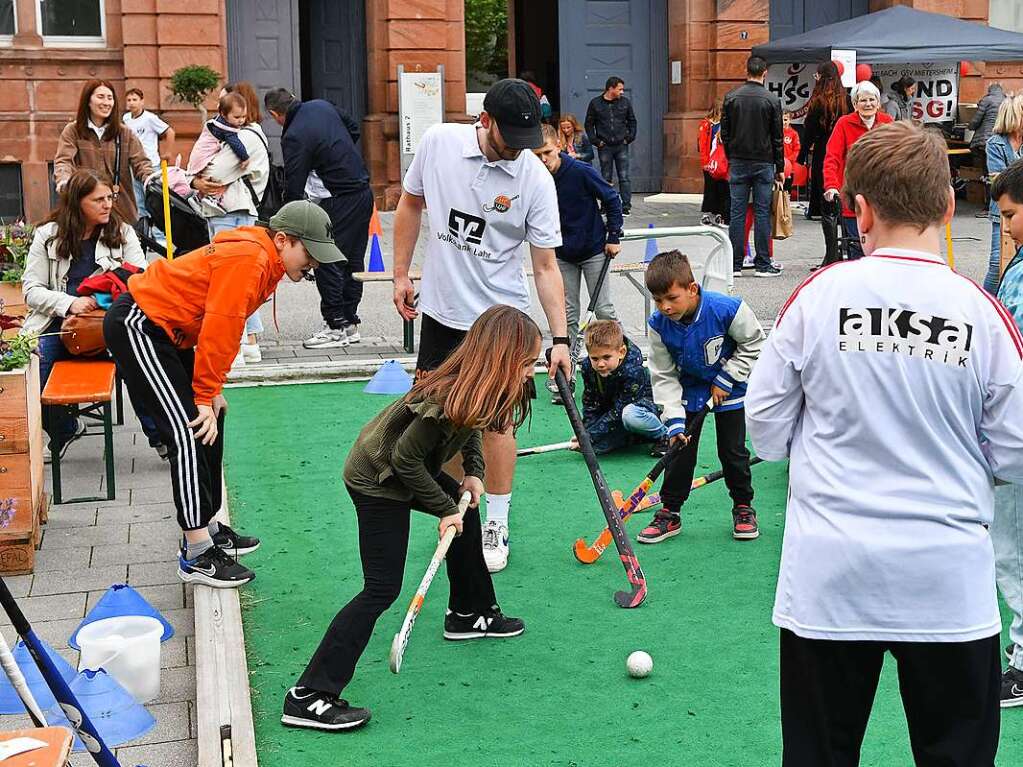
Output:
(515, 107)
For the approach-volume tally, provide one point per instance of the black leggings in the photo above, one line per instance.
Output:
(383, 545)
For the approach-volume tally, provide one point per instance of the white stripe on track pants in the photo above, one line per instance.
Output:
(160, 375)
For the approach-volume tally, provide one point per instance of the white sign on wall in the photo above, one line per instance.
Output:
(420, 106)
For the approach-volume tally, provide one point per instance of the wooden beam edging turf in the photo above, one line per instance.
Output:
(223, 698)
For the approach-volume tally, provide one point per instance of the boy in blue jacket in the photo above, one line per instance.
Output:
(702, 348)
(618, 402)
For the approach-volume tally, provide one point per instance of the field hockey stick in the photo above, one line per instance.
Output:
(400, 641)
(19, 684)
(544, 448)
(634, 572)
(591, 312)
(588, 554)
(581, 550)
(83, 726)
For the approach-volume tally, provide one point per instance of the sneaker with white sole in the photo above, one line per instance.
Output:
(234, 543)
(321, 711)
(1012, 688)
(328, 338)
(495, 546)
(252, 353)
(492, 624)
(214, 568)
(352, 333)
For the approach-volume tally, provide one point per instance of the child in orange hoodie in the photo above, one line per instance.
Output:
(174, 335)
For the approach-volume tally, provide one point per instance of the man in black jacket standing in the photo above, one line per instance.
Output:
(322, 163)
(751, 132)
(611, 126)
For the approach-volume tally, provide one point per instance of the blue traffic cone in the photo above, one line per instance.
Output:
(121, 599)
(117, 716)
(651, 247)
(391, 378)
(10, 703)
(376, 256)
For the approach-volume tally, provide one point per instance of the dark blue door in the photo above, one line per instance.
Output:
(794, 17)
(601, 38)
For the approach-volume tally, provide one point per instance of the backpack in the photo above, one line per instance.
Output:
(273, 195)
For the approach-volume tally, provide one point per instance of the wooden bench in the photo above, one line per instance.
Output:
(85, 388)
(627, 270)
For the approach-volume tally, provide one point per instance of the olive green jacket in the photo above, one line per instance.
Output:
(399, 454)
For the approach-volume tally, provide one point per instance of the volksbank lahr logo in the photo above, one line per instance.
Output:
(466, 227)
(903, 331)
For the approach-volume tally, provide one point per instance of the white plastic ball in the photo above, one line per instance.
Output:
(639, 664)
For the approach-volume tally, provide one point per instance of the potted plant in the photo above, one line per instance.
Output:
(15, 240)
(192, 84)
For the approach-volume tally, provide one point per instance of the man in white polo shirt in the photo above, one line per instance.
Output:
(485, 194)
(895, 388)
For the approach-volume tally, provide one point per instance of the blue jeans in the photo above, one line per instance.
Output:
(643, 422)
(1007, 539)
(616, 158)
(253, 323)
(744, 176)
(991, 279)
(854, 248)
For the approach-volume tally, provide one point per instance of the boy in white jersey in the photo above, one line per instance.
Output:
(484, 194)
(895, 388)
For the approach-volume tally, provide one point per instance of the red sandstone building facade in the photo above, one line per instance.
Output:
(349, 51)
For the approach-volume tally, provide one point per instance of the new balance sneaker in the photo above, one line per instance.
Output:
(492, 624)
(1012, 688)
(234, 543)
(660, 447)
(352, 333)
(214, 568)
(319, 711)
(328, 338)
(664, 525)
(744, 523)
(769, 271)
(495, 546)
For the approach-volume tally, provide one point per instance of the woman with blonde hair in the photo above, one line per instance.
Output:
(1004, 148)
(574, 141)
(396, 465)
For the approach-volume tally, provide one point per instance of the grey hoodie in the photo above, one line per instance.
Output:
(983, 123)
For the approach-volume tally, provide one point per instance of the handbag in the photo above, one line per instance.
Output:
(781, 213)
(273, 194)
(717, 164)
(82, 334)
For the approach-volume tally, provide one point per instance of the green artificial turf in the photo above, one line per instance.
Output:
(558, 695)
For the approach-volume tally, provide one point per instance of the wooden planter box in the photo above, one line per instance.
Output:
(12, 299)
(22, 500)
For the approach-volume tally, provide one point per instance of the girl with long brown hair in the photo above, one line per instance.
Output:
(573, 138)
(97, 140)
(395, 466)
(828, 102)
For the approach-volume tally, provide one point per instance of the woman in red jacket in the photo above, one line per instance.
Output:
(867, 105)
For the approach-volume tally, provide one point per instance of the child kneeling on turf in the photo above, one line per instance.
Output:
(1007, 527)
(395, 466)
(174, 335)
(618, 403)
(702, 348)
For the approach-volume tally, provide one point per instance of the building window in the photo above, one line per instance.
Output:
(71, 22)
(8, 24)
(1006, 14)
(12, 206)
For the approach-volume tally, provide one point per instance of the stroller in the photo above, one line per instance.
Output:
(188, 227)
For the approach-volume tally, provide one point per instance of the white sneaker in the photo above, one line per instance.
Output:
(327, 338)
(749, 262)
(239, 359)
(251, 353)
(352, 334)
(495, 546)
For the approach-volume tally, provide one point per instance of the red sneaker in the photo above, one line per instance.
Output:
(663, 525)
(744, 523)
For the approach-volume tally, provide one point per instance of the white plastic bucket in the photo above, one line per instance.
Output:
(127, 648)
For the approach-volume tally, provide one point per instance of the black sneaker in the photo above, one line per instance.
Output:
(626, 210)
(492, 624)
(234, 543)
(160, 448)
(660, 447)
(664, 525)
(61, 448)
(214, 568)
(1012, 688)
(319, 711)
(1009, 650)
(744, 523)
(770, 271)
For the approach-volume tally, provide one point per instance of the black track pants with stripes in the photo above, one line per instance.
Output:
(160, 375)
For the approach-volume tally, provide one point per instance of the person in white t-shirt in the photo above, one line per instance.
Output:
(485, 194)
(152, 131)
(895, 388)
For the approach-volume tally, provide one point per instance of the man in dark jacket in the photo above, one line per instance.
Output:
(322, 163)
(751, 132)
(983, 125)
(611, 126)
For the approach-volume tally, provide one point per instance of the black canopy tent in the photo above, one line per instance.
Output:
(898, 35)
